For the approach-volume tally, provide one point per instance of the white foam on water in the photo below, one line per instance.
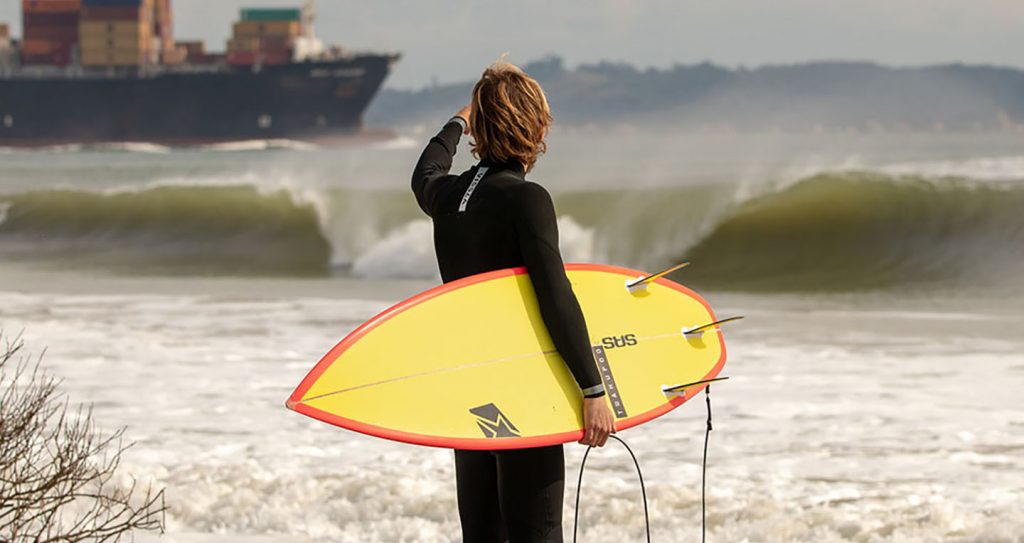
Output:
(399, 142)
(405, 253)
(259, 145)
(408, 252)
(833, 427)
(1006, 168)
(130, 147)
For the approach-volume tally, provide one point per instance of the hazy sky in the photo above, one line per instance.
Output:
(453, 40)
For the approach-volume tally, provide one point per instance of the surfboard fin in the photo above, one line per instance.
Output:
(698, 331)
(680, 390)
(640, 283)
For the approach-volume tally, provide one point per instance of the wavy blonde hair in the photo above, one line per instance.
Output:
(509, 116)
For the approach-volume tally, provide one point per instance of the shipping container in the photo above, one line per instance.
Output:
(94, 44)
(38, 47)
(173, 56)
(50, 6)
(193, 47)
(49, 19)
(49, 31)
(53, 59)
(92, 29)
(272, 14)
(50, 26)
(243, 44)
(114, 57)
(248, 58)
(127, 13)
(117, 56)
(276, 44)
(271, 28)
(52, 33)
(116, 3)
(97, 46)
(59, 54)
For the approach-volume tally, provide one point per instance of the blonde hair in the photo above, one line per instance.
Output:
(509, 116)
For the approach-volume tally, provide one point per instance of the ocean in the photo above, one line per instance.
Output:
(874, 390)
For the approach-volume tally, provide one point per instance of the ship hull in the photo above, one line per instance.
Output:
(317, 101)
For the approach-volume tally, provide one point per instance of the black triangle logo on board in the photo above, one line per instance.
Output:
(493, 423)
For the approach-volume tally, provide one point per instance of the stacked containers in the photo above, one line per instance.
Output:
(265, 36)
(195, 52)
(50, 31)
(117, 33)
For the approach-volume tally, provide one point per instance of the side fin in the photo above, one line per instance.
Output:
(699, 330)
(680, 390)
(641, 282)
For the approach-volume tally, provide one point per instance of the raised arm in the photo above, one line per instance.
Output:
(436, 160)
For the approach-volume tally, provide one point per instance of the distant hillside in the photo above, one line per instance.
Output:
(814, 96)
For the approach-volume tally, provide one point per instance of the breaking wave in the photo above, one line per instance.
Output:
(832, 231)
(867, 230)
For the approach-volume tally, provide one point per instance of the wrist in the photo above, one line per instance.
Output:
(460, 120)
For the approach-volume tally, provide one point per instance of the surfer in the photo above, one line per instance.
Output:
(488, 218)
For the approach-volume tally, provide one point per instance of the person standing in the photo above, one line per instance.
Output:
(491, 217)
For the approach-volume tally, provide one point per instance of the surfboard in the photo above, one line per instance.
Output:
(470, 364)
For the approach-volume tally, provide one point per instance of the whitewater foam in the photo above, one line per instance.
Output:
(408, 252)
(129, 147)
(398, 143)
(259, 145)
(1006, 168)
(791, 460)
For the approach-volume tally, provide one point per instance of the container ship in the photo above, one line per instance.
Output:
(103, 71)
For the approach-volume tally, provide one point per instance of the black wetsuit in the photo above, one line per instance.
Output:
(488, 218)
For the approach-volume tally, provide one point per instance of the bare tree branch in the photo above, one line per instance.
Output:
(57, 469)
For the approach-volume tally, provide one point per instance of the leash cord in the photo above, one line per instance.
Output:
(643, 489)
(704, 471)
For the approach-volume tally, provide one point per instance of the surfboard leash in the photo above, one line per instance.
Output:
(640, 475)
(704, 470)
(643, 489)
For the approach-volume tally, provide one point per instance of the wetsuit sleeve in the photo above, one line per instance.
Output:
(431, 171)
(537, 232)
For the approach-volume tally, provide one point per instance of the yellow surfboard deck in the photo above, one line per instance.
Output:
(470, 364)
